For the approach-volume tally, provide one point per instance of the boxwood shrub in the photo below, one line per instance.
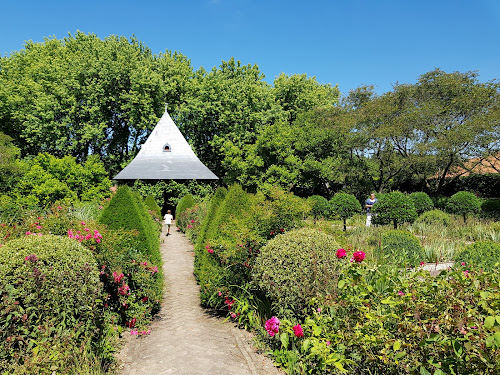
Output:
(127, 211)
(50, 289)
(481, 254)
(393, 207)
(185, 202)
(434, 217)
(422, 202)
(295, 267)
(463, 203)
(400, 248)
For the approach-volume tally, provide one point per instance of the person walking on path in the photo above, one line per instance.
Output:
(168, 220)
(369, 204)
(186, 339)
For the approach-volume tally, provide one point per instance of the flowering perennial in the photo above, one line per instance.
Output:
(341, 253)
(272, 326)
(298, 331)
(358, 256)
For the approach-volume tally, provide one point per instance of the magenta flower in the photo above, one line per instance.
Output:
(341, 253)
(118, 277)
(28, 233)
(210, 251)
(31, 258)
(319, 309)
(124, 289)
(422, 263)
(272, 326)
(38, 227)
(298, 331)
(401, 293)
(189, 226)
(358, 256)
(463, 263)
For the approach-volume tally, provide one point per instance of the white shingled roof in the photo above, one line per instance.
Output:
(166, 155)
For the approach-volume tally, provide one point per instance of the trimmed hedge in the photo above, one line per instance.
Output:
(434, 217)
(463, 203)
(400, 248)
(344, 206)
(481, 254)
(50, 291)
(393, 207)
(295, 267)
(127, 211)
(185, 202)
(422, 202)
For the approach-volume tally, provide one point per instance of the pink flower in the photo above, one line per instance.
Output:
(83, 223)
(210, 251)
(28, 233)
(118, 277)
(358, 256)
(155, 269)
(341, 253)
(233, 315)
(422, 263)
(124, 289)
(272, 326)
(463, 263)
(100, 207)
(327, 343)
(193, 221)
(401, 293)
(319, 309)
(220, 293)
(59, 207)
(134, 332)
(298, 331)
(207, 247)
(38, 227)
(189, 226)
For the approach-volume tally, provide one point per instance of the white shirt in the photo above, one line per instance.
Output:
(168, 218)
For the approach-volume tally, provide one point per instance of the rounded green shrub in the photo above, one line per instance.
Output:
(319, 206)
(393, 207)
(400, 248)
(422, 202)
(463, 203)
(344, 206)
(483, 254)
(434, 217)
(491, 208)
(295, 267)
(185, 202)
(50, 281)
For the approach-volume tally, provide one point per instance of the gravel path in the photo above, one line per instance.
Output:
(185, 339)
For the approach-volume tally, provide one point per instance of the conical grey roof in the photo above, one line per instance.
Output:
(166, 155)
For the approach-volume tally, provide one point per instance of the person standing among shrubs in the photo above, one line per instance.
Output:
(369, 204)
(168, 220)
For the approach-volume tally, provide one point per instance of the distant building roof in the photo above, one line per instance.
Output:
(166, 155)
(490, 164)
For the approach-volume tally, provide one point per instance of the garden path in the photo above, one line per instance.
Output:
(185, 338)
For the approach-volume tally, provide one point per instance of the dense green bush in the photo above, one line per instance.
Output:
(213, 206)
(491, 208)
(153, 208)
(344, 206)
(393, 207)
(463, 203)
(295, 267)
(50, 290)
(400, 248)
(127, 211)
(481, 254)
(185, 202)
(434, 217)
(422, 202)
(319, 206)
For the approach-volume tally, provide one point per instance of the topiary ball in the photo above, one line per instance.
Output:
(296, 266)
(422, 202)
(434, 217)
(401, 248)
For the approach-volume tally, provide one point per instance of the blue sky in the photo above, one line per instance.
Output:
(348, 43)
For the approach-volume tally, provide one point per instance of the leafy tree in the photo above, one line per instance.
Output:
(463, 203)
(394, 207)
(319, 206)
(10, 169)
(422, 202)
(298, 93)
(82, 95)
(344, 205)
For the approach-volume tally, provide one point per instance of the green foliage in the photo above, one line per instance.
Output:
(185, 202)
(400, 248)
(393, 207)
(344, 206)
(481, 255)
(153, 208)
(295, 267)
(422, 202)
(127, 211)
(65, 96)
(50, 290)
(213, 206)
(463, 203)
(491, 208)
(10, 169)
(319, 206)
(434, 217)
